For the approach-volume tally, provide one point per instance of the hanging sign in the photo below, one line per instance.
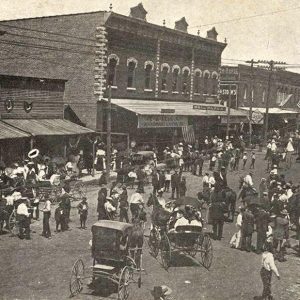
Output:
(257, 117)
(209, 107)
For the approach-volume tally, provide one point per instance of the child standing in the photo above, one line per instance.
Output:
(268, 266)
(252, 160)
(245, 158)
(83, 212)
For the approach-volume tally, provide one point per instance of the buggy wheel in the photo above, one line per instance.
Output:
(207, 251)
(13, 225)
(165, 252)
(193, 251)
(77, 276)
(153, 242)
(123, 292)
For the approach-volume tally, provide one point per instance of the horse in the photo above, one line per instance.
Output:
(136, 238)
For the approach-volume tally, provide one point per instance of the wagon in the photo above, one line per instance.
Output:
(111, 260)
(186, 239)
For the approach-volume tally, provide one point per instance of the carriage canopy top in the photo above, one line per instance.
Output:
(114, 225)
(186, 200)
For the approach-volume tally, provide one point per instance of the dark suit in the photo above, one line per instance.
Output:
(221, 181)
(155, 183)
(247, 230)
(175, 180)
(217, 214)
(261, 221)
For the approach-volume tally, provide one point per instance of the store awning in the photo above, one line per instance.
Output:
(153, 107)
(46, 127)
(9, 132)
(272, 110)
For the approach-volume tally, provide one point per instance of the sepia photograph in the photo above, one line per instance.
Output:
(149, 150)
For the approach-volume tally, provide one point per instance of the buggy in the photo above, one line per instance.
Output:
(187, 239)
(111, 260)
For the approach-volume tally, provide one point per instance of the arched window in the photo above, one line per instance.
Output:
(175, 75)
(148, 71)
(185, 80)
(205, 83)
(197, 81)
(214, 83)
(164, 76)
(131, 74)
(111, 71)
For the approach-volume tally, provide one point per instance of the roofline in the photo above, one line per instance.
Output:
(31, 77)
(164, 28)
(54, 16)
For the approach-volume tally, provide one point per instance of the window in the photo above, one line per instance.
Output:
(148, 70)
(245, 92)
(164, 76)
(111, 72)
(205, 83)
(263, 99)
(214, 83)
(185, 81)
(131, 73)
(197, 82)
(175, 75)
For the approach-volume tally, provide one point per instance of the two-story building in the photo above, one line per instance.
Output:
(258, 88)
(164, 81)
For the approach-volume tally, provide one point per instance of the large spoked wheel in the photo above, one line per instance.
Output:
(123, 291)
(77, 276)
(207, 251)
(153, 242)
(165, 252)
(13, 223)
(193, 251)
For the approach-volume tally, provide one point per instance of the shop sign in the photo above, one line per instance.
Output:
(233, 119)
(257, 117)
(209, 107)
(162, 121)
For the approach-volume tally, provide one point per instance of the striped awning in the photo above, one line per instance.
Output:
(9, 132)
(46, 127)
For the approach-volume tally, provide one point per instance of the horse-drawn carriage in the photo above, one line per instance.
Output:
(112, 262)
(187, 238)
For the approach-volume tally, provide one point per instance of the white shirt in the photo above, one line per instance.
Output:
(109, 207)
(196, 223)
(268, 262)
(181, 222)
(239, 220)
(289, 193)
(132, 175)
(136, 198)
(248, 180)
(23, 210)
(205, 179)
(47, 206)
(161, 201)
(168, 176)
(211, 181)
(55, 179)
(273, 147)
(289, 147)
(41, 176)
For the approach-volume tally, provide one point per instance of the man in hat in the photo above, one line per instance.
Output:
(160, 292)
(24, 220)
(155, 181)
(247, 230)
(123, 205)
(47, 213)
(175, 181)
(262, 219)
(109, 207)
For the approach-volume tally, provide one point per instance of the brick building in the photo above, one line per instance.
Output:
(252, 85)
(140, 60)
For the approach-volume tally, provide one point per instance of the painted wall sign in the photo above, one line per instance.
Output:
(167, 111)
(162, 121)
(209, 107)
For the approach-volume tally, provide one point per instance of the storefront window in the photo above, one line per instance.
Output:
(263, 96)
(214, 84)
(245, 92)
(197, 82)
(131, 73)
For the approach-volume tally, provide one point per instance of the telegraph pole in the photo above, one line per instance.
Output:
(228, 112)
(252, 62)
(108, 137)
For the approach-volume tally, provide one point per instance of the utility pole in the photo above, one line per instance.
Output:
(252, 62)
(108, 137)
(228, 111)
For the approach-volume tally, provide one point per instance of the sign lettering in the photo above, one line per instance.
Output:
(209, 107)
(162, 121)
